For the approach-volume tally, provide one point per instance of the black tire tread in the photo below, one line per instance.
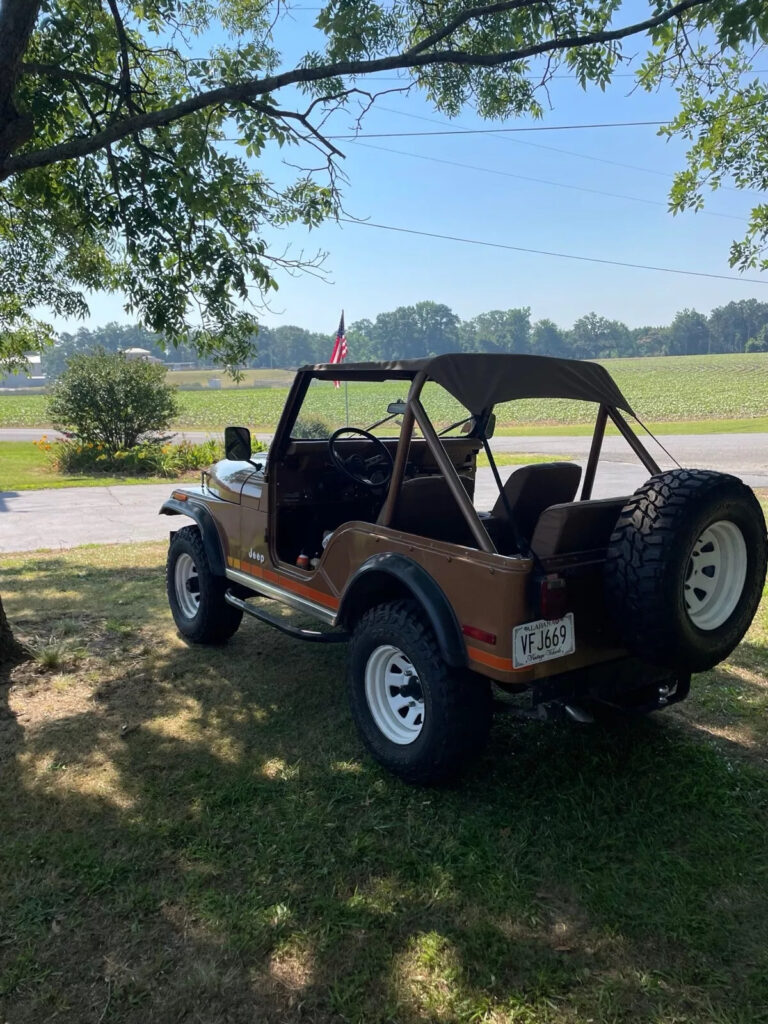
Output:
(216, 621)
(464, 712)
(648, 529)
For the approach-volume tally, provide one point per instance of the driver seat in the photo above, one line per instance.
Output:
(426, 506)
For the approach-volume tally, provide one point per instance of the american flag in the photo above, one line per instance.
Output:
(339, 346)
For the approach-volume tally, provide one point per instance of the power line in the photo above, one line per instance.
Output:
(545, 252)
(566, 152)
(536, 145)
(499, 131)
(536, 180)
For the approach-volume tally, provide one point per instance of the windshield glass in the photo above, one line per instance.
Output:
(363, 404)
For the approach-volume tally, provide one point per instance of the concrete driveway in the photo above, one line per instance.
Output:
(69, 516)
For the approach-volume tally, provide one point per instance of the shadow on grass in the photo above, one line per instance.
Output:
(195, 834)
(731, 702)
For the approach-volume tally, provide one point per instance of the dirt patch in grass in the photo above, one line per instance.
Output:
(196, 834)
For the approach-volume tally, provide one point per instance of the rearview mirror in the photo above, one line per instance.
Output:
(489, 426)
(237, 444)
(396, 408)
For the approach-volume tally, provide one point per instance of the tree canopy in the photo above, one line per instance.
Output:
(133, 140)
(429, 328)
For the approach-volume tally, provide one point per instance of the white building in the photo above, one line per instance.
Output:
(142, 354)
(31, 376)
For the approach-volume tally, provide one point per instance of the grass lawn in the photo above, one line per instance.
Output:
(196, 834)
(23, 467)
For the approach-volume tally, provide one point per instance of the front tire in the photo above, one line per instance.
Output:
(420, 719)
(195, 594)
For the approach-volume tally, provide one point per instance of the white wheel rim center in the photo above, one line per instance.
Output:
(717, 570)
(394, 695)
(187, 585)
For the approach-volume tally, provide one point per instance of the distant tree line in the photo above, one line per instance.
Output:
(430, 328)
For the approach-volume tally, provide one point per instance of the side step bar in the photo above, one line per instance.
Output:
(311, 635)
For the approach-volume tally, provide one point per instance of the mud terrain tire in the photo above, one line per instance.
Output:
(195, 594)
(449, 716)
(685, 568)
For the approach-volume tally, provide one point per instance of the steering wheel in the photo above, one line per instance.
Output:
(374, 471)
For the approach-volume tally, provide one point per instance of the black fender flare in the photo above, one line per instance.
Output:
(389, 567)
(207, 526)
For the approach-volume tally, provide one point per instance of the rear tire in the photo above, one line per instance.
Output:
(419, 718)
(685, 568)
(195, 594)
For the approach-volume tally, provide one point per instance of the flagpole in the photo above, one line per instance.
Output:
(346, 382)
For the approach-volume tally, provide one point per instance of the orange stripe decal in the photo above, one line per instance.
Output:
(269, 576)
(492, 660)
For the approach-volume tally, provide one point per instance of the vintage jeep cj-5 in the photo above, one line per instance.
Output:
(577, 601)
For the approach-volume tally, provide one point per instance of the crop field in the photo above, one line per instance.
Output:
(671, 389)
(197, 379)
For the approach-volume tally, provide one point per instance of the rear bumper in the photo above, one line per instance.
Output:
(627, 683)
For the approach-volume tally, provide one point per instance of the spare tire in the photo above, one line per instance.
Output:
(685, 568)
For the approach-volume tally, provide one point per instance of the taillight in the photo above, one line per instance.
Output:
(552, 597)
(479, 634)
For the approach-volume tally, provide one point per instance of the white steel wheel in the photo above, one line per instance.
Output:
(394, 695)
(716, 573)
(187, 585)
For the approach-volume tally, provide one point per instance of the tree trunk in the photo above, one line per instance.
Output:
(17, 22)
(11, 650)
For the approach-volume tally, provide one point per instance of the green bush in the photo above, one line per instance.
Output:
(147, 459)
(151, 458)
(759, 343)
(311, 427)
(105, 399)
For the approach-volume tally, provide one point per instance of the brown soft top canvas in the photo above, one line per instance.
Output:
(480, 381)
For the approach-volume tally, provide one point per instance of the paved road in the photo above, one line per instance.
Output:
(743, 454)
(735, 453)
(70, 516)
(85, 515)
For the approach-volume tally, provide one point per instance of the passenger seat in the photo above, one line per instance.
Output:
(530, 490)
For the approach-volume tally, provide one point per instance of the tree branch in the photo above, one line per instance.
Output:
(125, 64)
(241, 92)
(65, 75)
(293, 115)
(461, 19)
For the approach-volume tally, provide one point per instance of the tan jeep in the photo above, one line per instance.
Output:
(576, 601)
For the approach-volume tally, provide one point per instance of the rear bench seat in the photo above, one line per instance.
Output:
(576, 526)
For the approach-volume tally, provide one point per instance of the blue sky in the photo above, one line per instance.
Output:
(530, 190)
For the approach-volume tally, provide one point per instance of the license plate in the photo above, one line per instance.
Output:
(542, 641)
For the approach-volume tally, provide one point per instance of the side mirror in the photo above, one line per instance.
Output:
(237, 444)
(490, 425)
(396, 408)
